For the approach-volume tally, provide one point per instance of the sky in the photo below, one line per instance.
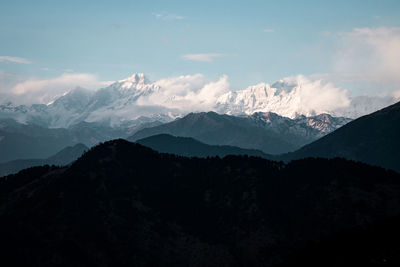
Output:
(352, 44)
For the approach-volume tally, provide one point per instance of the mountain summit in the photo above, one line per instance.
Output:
(137, 78)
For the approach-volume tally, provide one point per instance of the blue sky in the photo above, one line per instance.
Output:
(249, 41)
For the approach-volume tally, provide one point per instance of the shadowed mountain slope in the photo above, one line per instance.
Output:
(269, 132)
(190, 147)
(374, 139)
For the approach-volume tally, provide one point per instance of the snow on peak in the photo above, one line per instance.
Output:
(127, 99)
(138, 83)
(287, 97)
(136, 78)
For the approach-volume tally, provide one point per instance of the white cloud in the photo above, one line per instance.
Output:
(46, 90)
(370, 55)
(207, 57)
(19, 60)
(268, 30)
(316, 96)
(167, 16)
(187, 93)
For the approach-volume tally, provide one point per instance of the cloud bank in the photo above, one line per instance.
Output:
(187, 93)
(368, 55)
(46, 90)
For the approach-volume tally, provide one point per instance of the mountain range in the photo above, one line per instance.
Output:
(372, 139)
(271, 118)
(291, 97)
(113, 106)
(128, 103)
(269, 132)
(122, 204)
(214, 198)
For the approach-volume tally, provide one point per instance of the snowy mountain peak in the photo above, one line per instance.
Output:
(136, 78)
(288, 97)
(135, 84)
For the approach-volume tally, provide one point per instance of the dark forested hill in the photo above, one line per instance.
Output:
(190, 147)
(122, 204)
(373, 139)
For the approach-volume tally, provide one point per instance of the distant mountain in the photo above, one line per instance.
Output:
(268, 132)
(301, 127)
(189, 147)
(64, 157)
(122, 204)
(373, 139)
(31, 141)
(27, 141)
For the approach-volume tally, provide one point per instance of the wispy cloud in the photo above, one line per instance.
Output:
(167, 16)
(207, 57)
(46, 90)
(19, 60)
(268, 30)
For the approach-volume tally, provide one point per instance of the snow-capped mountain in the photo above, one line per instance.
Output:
(309, 128)
(296, 96)
(114, 105)
(129, 102)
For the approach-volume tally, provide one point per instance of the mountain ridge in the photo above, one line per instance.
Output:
(372, 139)
(190, 147)
(268, 132)
(61, 158)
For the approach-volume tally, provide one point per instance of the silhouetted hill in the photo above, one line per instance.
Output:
(190, 147)
(122, 204)
(373, 139)
(269, 132)
(64, 157)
